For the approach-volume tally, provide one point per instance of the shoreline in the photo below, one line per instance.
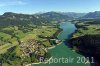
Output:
(55, 35)
(47, 60)
(51, 47)
(38, 62)
(55, 45)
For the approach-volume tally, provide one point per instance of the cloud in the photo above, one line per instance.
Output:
(13, 3)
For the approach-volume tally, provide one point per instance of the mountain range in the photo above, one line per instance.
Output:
(10, 18)
(95, 14)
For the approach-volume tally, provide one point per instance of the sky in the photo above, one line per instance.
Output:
(36, 6)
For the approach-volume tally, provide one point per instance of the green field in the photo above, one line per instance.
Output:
(84, 29)
(6, 37)
(12, 36)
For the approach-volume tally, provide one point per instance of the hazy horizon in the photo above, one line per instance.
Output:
(39, 6)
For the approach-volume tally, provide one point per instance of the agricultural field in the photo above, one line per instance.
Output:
(14, 41)
(8, 41)
(84, 29)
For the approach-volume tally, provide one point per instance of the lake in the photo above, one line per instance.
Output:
(62, 51)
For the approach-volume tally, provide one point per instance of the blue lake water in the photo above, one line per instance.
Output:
(62, 51)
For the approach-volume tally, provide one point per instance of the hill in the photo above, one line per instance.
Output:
(54, 16)
(74, 15)
(95, 14)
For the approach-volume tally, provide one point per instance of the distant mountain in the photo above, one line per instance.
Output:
(54, 16)
(10, 18)
(18, 16)
(74, 15)
(13, 19)
(95, 14)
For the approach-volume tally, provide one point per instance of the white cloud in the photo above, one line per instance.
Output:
(12, 3)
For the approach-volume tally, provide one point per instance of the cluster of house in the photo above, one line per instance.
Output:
(32, 46)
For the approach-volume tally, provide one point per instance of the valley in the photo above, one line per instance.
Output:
(25, 38)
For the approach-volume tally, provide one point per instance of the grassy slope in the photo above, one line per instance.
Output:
(45, 31)
(89, 29)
